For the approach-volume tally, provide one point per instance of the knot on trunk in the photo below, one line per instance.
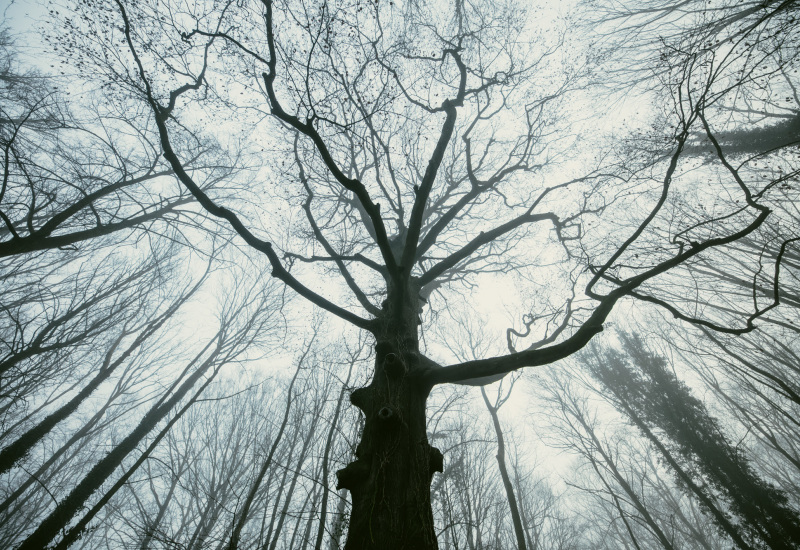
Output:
(386, 414)
(352, 476)
(436, 461)
(382, 349)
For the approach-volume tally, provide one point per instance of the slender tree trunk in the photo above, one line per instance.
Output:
(719, 517)
(316, 494)
(325, 463)
(623, 482)
(14, 452)
(296, 528)
(618, 506)
(75, 532)
(152, 526)
(239, 523)
(19, 448)
(206, 522)
(77, 436)
(501, 463)
(278, 498)
(303, 454)
(69, 506)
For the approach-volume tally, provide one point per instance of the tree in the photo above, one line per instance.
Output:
(76, 171)
(699, 453)
(581, 432)
(97, 279)
(17, 449)
(422, 148)
(239, 327)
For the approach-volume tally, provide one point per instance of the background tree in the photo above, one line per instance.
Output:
(655, 399)
(96, 283)
(622, 487)
(75, 171)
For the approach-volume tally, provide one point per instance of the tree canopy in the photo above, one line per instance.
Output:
(411, 172)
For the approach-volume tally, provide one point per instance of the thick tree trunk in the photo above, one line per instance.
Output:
(390, 480)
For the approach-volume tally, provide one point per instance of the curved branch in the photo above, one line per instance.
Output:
(673, 164)
(482, 239)
(265, 247)
(307, 129)
(40, 240)
(496, 367)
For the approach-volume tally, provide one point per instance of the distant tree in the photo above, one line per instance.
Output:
(239, 327)
(579, 430)
(695, 446)
(74, 172)
(98, 257)
(16, 450)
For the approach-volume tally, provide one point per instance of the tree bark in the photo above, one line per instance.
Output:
(390, 479)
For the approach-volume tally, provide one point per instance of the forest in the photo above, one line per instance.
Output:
(392, 274)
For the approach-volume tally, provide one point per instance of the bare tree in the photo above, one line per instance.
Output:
(656, 399)
(422, 144)
(580, 431)
(74, 172)
(99, 250)
(240, 326)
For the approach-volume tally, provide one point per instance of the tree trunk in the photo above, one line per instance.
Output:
(339, 519)
(326, 460)
(501, 464)
(295, 476)
(78, 529)
(686, 479)
(390, 479)
(239, 524)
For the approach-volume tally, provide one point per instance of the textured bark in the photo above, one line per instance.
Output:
(390, 479)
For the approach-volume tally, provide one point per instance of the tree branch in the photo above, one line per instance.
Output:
(211, 207)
